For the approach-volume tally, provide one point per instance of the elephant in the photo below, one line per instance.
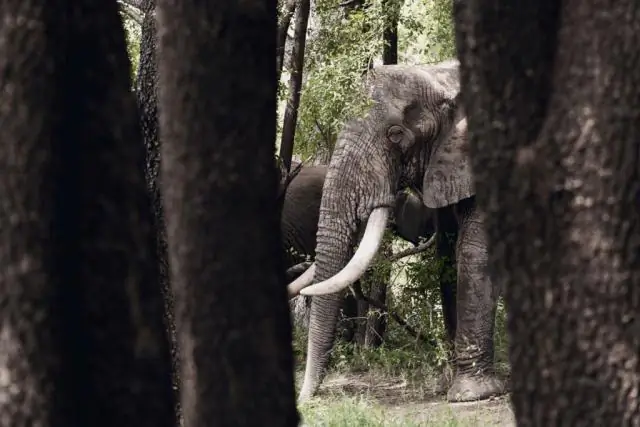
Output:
(413, 136)
(301, 198)
(299, 213)
(301, 193)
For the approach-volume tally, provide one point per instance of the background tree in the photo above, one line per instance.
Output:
(295, 82)
(219, 194)
(83, 340)
(554, 141)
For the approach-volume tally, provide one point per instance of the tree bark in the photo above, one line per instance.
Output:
(295, 83)
(83, 342)
(146, 93)
(283, 27)
(390, 34)
(219, 184)
(552, 93)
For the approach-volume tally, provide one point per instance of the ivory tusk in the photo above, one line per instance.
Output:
(373, 234)
(304, 280)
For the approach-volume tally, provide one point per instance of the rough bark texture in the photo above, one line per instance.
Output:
(219, 183)
(82, 337)
(553, 99)
(146, 93)
(295, 82)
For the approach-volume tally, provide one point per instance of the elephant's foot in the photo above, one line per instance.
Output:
(468, 388)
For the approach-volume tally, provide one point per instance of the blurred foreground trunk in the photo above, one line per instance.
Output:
(219, 187)
(83, 342)
(553, 101)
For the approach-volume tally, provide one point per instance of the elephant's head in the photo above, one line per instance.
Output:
(413, 135)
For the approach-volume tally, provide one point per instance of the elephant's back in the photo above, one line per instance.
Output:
(300, 212)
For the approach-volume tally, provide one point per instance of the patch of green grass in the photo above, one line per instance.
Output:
(350, 411)
(363, 412)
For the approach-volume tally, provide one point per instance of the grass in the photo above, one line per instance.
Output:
(360, 411)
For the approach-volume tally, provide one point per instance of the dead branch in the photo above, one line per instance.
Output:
(357, 291)
(412, 251)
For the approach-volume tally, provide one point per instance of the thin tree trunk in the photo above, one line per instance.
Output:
(283, 28)
(390, 34)
(295, 83)
(554, 143)
(219, 184)
(374, 321)
(82, 337)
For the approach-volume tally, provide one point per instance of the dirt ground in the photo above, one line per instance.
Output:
(417, 402)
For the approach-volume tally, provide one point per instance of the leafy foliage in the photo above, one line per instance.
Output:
(340, 51)
(133, 32)
(337, 57)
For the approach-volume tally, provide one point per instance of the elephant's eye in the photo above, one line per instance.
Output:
(395, 134)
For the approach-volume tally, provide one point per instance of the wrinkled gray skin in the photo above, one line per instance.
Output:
(414, 136)
(301, 209)
(412, 221)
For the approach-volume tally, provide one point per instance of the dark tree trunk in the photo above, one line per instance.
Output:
(553, 94)
(295, 83)
(146, 92)
(283, 27)
(390, 35)
(217, 113)
(83, 342)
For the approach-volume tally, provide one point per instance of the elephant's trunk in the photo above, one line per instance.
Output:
(333, 250)
(360, 261)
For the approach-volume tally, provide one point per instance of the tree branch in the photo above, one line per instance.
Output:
(412, 251)
(357, 291)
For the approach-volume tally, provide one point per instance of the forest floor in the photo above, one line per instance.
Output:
(374, 399)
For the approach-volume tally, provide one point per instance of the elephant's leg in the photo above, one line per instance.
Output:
(475, 377)
(446, 237)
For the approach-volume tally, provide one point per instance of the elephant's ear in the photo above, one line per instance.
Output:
(448, 177)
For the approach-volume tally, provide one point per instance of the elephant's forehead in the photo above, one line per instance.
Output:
(404, 82)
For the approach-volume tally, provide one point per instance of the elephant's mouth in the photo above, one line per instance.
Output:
(355, 268)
